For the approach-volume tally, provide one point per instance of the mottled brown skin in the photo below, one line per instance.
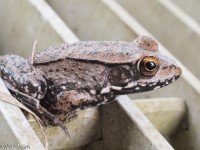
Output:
(70, 83)
(66, 78)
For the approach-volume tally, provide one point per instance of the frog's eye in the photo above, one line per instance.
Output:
(148, 65)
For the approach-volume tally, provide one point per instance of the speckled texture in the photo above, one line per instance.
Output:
(147, 43)
(111, 52)
(67, 78)
(18, 74)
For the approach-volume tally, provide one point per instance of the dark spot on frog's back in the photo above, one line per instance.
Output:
(127, 53)
(50, 70)
(93, 52)
(165, 67)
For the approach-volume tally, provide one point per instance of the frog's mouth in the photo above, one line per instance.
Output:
(144, 86)
(166, 74)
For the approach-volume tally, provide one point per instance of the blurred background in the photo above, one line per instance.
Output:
(174, 23)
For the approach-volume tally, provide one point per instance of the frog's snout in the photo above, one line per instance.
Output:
(178, 71)
(169, 73)
(175, 70)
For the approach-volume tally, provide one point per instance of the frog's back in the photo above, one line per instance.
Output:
(110, 52)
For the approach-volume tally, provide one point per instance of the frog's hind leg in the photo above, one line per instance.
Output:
(27, 84)
(40, 111)
(17, 73)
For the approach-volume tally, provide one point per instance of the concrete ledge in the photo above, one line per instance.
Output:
(126, 127)
(164, 113)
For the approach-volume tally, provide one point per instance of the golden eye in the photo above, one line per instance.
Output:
(148, 65)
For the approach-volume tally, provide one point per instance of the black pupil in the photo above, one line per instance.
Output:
(150, 65)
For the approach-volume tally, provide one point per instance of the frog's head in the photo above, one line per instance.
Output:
(149, 70)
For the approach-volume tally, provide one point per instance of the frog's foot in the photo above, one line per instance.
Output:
(70, 116)
(49, 118)
(52, 119)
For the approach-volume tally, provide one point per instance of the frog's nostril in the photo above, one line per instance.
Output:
(178, 71)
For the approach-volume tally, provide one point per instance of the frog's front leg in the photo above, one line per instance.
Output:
(67, 102)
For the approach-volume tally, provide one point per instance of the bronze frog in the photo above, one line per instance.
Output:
(70, 77)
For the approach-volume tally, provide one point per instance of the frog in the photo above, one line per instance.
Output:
(66, 78)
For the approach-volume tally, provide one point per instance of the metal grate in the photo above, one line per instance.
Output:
(50, 22)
